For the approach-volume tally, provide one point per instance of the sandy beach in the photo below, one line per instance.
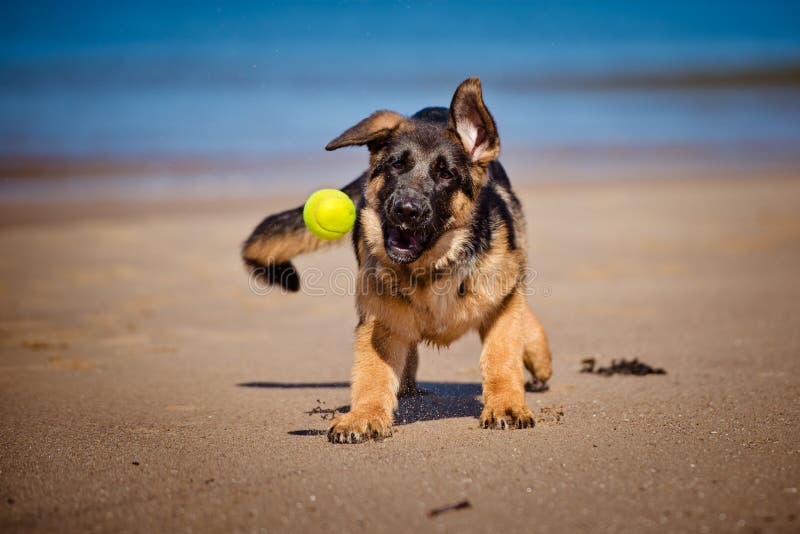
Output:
(145, 387)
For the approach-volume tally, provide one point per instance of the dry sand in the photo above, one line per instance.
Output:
(144, 387)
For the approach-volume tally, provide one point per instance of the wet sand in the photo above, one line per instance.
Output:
(145, 387)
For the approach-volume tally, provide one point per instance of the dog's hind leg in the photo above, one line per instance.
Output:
(408, 384)
(536, 355)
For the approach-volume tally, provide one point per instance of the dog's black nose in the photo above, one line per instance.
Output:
(408, 208)
(405, 208)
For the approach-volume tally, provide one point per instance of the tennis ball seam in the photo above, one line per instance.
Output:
(342, 206)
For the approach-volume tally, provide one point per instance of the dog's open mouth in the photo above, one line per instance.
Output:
(403, 245)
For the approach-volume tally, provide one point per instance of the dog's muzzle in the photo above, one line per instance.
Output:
(408, 214)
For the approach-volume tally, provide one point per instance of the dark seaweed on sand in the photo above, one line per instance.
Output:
(324, 413)
(449, 508)
(621, 367)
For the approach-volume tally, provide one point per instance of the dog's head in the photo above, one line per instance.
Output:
(425, 171)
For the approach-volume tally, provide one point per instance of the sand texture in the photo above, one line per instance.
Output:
(144, 387)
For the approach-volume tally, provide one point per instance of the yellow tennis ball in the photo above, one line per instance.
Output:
(329, 213)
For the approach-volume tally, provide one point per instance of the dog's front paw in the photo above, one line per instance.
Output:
(504, 417)
(359, 426)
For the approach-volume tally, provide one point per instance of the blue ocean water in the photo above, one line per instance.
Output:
(255, 80)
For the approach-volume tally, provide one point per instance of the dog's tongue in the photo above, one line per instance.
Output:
(403, 239)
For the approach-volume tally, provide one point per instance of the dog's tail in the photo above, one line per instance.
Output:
(268, 251)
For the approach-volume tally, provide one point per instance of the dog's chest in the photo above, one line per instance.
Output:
(443, 313)
(438, 310)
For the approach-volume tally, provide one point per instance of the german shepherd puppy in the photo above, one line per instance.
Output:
(440, 244)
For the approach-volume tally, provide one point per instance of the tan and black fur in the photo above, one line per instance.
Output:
(440, 244)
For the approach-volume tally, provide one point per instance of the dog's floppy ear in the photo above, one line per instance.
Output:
(473, 123)
(371, 131)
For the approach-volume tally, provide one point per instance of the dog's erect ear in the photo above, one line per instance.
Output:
(371, 131)
(473, 123)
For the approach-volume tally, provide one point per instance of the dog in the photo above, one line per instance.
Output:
(440, 243)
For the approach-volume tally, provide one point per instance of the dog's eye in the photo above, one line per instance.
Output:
(444, 174)
(398, 164)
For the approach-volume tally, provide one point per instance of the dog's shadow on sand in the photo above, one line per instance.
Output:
(436, 400)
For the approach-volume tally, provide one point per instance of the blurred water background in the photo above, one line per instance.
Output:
(231, 97)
